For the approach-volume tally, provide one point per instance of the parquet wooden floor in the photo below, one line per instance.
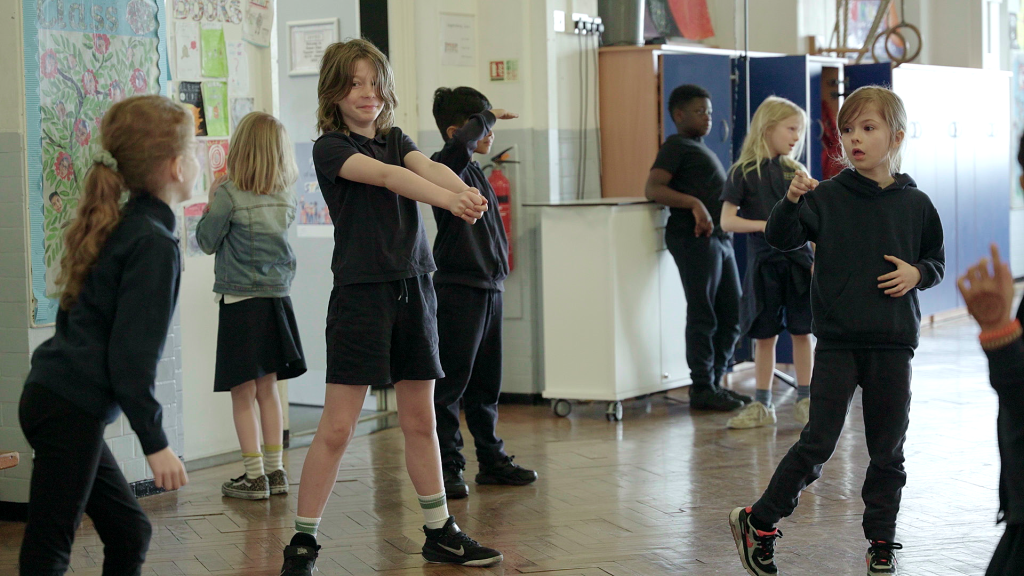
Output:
(647, 496)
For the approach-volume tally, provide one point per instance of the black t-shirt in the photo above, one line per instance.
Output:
(695, 171)
(757, 195)
(378, 235)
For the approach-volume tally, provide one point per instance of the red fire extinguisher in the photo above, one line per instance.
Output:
(503, 190)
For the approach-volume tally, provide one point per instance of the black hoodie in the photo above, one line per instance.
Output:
(855, 224)
(474, 255)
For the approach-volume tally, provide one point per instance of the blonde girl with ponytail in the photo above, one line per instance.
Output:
(120, 277)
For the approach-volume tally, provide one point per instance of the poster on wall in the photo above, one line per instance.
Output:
(214, 51)
(186, 54)
(307, 42)
(314, 219)
(216, 159)
(238, 69)
(191, 95)
(215, 102)
(458, 40)
(1017, 123)
(193, 213)
(239, 108)
(257, 22)
(75, 69)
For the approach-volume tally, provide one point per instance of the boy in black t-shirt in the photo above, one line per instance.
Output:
(472, 263)
(688, 178)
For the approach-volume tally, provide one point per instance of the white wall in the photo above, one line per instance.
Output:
(297, 101)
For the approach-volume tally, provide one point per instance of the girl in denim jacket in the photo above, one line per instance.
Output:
(246, 224)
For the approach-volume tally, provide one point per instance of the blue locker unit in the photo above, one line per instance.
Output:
(790, 77)
(713, 73)
(858, 75)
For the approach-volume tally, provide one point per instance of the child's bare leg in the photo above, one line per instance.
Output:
(764, 362)
(803, 359)
(337, 425)
(416, 417)
(271, 418)
(243, 409)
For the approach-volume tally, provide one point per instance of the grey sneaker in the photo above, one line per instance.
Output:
(278, 480)
(802, 411)
(247, 488)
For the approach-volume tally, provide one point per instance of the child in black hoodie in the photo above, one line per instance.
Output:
(866, 221)
(472, 263)
(989, 298)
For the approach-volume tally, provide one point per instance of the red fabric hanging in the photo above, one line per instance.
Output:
(692, 18)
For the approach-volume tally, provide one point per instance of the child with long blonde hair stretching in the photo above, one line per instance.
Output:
(879, 241)
(120, 276)
(381, 318)
(776, 288)
(246, 223)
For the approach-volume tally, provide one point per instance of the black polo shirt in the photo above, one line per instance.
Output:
(378, 235)
(695, 171)
(756, 195)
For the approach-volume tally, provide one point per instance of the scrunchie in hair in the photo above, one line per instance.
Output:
(106, 158)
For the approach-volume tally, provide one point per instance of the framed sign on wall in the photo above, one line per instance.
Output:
(307, 41)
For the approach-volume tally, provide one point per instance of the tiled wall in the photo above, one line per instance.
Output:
(17, 339)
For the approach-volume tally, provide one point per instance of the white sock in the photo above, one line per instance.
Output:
(307, 525)
(272, 457)
(253, 465)
(435, 510)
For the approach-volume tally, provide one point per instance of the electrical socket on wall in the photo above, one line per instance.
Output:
(559, 21)
(585, 24)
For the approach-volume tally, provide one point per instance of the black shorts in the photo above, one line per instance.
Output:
(784, 305)
(383, 332)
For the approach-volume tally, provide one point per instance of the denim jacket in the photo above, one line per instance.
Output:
(249, 233)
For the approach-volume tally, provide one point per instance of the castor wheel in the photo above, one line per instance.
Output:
(561, 407)
(614, 413)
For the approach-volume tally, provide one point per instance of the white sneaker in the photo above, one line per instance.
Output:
(754, 415)
(802, 411)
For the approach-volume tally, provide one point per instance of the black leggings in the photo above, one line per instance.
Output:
(1008, 559)
(74, 472)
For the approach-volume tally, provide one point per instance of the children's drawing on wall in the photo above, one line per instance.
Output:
(258, 20)
(214, 51)
(216, 159)
(314, 219)
(192, 213)
(80, 74)
(187, 53)
(238, 69)
(239, 108)
(215, 102)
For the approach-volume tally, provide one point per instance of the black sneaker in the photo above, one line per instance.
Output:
(505, 472)
(756, 548)
(713, 399)
(881, 558)
(300, 555)
(455, 487)
(737, 396)
(450, 545)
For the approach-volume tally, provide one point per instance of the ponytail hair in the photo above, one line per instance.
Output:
(139, 136)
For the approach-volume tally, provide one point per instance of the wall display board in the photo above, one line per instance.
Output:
(80, 58)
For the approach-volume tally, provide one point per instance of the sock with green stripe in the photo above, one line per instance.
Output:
(435, 510)
(307, 525)
(272, 457)
(253, 465)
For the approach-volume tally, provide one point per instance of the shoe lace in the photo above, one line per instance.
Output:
(765, 543)
(882, 552)
(461, 537)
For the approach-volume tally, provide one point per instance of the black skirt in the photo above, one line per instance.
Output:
(256, 337)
